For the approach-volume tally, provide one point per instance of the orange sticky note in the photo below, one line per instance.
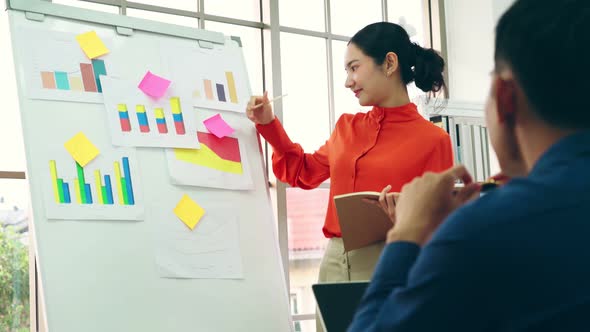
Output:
(81, 149)
(189, 212)
(92, 45)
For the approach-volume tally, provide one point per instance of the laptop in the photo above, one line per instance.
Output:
(337, 303)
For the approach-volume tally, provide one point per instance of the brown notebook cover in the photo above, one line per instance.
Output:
(362, 223)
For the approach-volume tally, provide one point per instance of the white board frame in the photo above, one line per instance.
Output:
(101, 275)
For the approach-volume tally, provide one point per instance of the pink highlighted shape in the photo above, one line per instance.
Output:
(154, 85)
(218, 127)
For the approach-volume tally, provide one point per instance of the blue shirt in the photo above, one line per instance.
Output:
(516, 259)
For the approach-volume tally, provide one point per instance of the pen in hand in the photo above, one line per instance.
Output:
(269, 101)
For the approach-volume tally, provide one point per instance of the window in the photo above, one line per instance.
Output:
(89, 5)
(307, 112)
(349, 16)
(14, 231)
(295, 310)
(166, 18)
(252, 45)
(410, 15)
(189, 5)
(14, 256)
(291, 12)
(241, 9)
(303, 61)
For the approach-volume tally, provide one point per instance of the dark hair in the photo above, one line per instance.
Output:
(417, 64)
(546, 45)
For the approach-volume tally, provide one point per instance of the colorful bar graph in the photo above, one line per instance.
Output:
(231, 85)
(220, 92)
(88, 77)
(104, 190)
(177, 115)
(48, 80)
(86, 80)
(208, 89)
(160, 121)
(144, 125)
(98, 68)
(124, 117)
(61, 80)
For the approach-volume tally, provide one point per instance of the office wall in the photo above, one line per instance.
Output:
(470, 37)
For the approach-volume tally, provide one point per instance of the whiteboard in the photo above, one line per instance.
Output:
(104, 274)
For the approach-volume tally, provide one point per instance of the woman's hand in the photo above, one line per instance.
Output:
(261, 114)
(386, 202)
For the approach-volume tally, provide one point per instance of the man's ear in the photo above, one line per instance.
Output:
(505, 94)
(391, 63)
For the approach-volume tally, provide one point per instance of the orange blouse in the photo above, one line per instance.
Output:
(366, 152)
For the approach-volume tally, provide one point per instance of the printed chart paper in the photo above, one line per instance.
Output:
(56, 67)
(107, 188)
(217, 77)
(138, 120)
(210, 251)
(219, 163)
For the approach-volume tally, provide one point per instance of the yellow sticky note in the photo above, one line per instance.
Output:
(92, 45)
(81, 149)
(189, 211)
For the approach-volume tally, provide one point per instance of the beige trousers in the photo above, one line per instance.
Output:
(355, 265)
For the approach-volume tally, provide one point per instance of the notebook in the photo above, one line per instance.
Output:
(362, 224)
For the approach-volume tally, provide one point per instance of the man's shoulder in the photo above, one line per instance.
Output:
(493, 210)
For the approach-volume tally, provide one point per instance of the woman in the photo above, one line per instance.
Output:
(391, 144)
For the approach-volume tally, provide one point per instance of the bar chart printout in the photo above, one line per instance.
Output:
(158, 115)
(102, 192)
(219, 163)
(220, 90)
(56, 67)
(138, 120)
(84, 80)
(105, 189)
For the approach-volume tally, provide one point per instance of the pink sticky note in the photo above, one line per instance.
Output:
(154, 85)
(218, 127)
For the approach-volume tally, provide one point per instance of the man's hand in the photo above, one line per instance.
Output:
(424, 203)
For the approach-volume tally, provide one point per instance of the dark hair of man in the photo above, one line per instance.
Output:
(546, 45)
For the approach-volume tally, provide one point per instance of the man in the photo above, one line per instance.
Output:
(517, 258)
